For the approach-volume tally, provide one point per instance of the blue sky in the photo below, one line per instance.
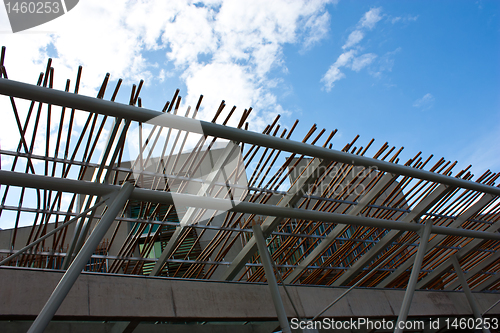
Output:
(420, 74)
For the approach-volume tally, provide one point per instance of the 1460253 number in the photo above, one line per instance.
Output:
(472, 323)
(38, 7)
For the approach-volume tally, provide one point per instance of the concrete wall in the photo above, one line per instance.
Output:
(116, 297)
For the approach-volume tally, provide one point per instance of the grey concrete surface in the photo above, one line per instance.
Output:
(110, 327)
(23, 293)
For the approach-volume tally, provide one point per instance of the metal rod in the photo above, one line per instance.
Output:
(56, 97)
(80, 261)
(412, 283)
(491, 307)
(231, 185)
(286, 290)
(271, 279)
(21, 251)
(465, 286)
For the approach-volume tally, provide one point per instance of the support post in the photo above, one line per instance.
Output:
(125, 326)
(412, 283)
(465, 286)
(271, 279)
(81, 260)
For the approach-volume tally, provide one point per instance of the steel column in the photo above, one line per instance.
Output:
(412, 283)
(271, 278)
(81, 260)
(465, 286)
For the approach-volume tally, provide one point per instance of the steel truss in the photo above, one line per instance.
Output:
(346, 219)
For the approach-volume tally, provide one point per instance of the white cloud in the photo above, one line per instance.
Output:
(345, 58)
(368, 21)
(239, 42)
(404, 19)
(348, 59)
(318, 27)
(371, 18)
(396, 19)
(362, 61)
(334, 74)
(385, 63)
(354, 38)
(425, 102)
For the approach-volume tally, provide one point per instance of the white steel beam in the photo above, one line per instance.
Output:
(61, 98)
(271, 278)
(417, 264)
(83, 187)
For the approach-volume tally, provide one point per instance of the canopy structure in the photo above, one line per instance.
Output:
(116, 189)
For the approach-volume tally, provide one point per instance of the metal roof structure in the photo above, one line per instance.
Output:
(355, 217)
